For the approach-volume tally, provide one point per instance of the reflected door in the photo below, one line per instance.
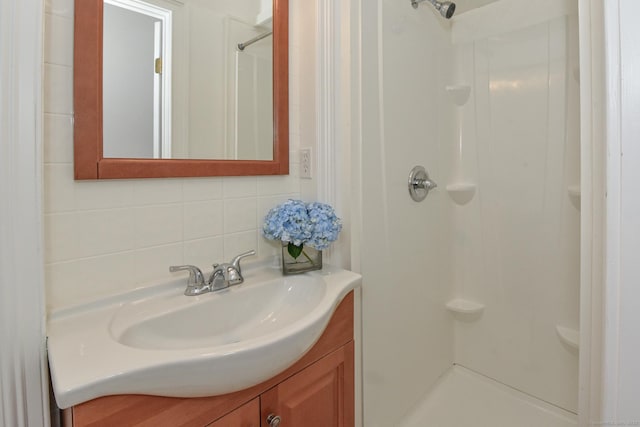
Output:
(134, 89)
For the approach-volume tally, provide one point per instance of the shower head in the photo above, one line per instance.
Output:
(446, 8)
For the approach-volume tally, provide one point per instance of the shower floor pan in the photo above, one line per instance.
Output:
(463, 398)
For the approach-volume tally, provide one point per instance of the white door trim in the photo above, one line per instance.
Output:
(621, 156)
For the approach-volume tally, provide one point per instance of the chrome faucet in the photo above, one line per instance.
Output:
(195, 284)
(223, 276)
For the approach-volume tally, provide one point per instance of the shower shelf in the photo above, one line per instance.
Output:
(463, 306)
(571, 337)
(461, 192)
(459, 94)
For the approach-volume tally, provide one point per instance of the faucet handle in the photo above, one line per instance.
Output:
(235, 262)
(195, 274)
(232, 272)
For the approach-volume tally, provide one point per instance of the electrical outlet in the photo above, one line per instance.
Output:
(305, 163)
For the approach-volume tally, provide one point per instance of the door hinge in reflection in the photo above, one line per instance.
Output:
(158, 65)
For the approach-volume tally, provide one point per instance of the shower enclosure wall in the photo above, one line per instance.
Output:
(484, 273)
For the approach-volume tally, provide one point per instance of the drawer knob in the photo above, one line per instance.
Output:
(273, 420)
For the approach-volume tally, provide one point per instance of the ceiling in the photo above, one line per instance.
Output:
(463, 6)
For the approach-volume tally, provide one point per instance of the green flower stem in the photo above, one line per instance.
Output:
(295, 252)
(310, 260)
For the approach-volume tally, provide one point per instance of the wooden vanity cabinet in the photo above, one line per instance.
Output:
(319, 396)
(248, 415)
(318, 390)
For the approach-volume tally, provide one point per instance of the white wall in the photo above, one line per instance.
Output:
(407, 333)
(516, 244)
(104, 237)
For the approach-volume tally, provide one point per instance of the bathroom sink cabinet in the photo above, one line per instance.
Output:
(245, 416)
(318, 390)
(319, 396)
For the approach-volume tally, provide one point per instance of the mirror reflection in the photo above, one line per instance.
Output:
(188, 79)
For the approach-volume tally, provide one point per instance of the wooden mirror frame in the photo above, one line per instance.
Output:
(89, 162)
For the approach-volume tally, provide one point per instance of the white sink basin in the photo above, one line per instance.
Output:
(158, 341)
(234, 315)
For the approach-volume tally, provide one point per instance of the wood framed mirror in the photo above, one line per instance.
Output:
(89, 159)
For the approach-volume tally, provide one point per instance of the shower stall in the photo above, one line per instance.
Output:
(470, 300)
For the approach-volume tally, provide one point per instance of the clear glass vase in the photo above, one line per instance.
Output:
(310, 259)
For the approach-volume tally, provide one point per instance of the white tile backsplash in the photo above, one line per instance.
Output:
(195, 189)
(58, 132)
(106, 237)
(237, 243)
(237, 187)
(59, 189)
(267, 202)
(204, 252)
(58, 89)
(240, 215)
(280, 184)
(153, 263)
(88, 233)
(203, 219)
(60, 31)
(269, 247)
(157, 191)
(85, 279)
(103, 194)
(158, 225)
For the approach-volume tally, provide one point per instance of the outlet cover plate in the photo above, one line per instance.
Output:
(305, 163)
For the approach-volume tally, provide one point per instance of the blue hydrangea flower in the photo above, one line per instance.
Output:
(314, 224)
(288, 222)
(325, 225)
